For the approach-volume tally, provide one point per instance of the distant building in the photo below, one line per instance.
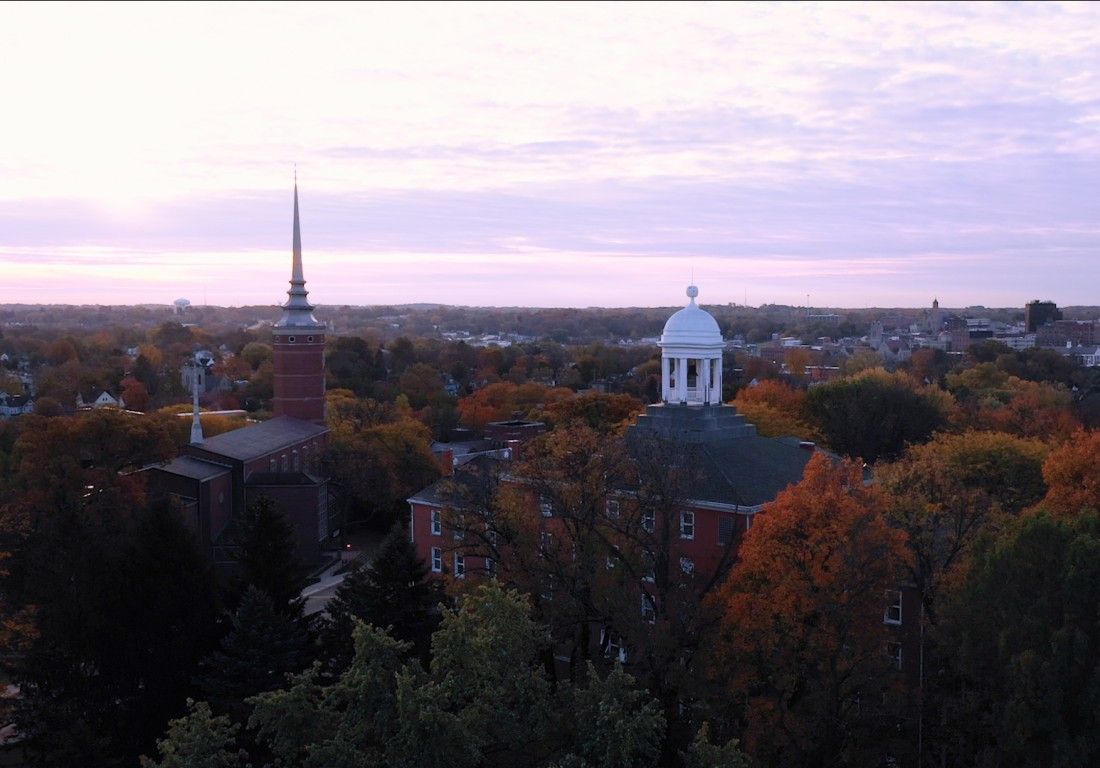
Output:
(14, 405)
(1039, 313)
(103, 400)
(1060, 333)
(179, 307)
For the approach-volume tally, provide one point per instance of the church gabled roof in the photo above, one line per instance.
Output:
(258, 440)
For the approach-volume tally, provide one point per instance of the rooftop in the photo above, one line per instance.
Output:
(258, 440)
(196, 469)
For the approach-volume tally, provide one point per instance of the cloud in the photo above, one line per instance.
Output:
(900, 146)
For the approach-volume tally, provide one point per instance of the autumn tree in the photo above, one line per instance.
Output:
(599, 411)
(945, 492)
(802, 639)
(777, 410)
(1072, 475)
(378, 467)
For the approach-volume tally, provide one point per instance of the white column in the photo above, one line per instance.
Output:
(704, 381)
(681, 379)
(718, 379)
(665, 389)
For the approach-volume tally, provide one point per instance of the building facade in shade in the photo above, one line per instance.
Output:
(215, 479)
(1039, 313)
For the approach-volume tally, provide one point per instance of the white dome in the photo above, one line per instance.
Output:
(691, 326)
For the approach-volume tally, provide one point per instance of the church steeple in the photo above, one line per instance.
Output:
(297, 312)
(298, 345)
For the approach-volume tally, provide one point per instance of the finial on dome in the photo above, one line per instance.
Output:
(692, 292)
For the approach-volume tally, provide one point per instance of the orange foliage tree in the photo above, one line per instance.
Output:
(947, 491)
(504, 400)
(1072, 475)
(802, 637)
(777, 410)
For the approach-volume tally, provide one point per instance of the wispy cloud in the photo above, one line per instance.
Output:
(461, 153)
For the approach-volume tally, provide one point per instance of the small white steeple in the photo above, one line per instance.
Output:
(196, 422)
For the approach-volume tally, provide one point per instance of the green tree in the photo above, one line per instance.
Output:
(123, 614)
(873, 416)
(391, 591)
(198, 740)
(1027, 646)
(261, 648)
(266, 556)
(618, 724)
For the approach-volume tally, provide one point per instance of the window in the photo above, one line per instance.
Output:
(545, 507)
(460, 566)
(284, 462)
(437, 560)
(297, 461)
(650, 574)
(490, 567)
(460, 534)
(271, 465)
(687, 565)
(290, 339)
(437, 523)
(612, 509)
(612, 645)
(491, 537)
(893, 651)
(687, 525)
(649, 521)
(548, 587)
(546, 539)
(893, 607)
(748, 521)
(309, 339)
(726, 524)
(649, 611)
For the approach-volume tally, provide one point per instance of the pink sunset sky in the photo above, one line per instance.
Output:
(551, 155)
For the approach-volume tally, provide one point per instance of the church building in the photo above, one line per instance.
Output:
(215, 479)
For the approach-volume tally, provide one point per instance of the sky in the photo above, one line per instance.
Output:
(833, 155)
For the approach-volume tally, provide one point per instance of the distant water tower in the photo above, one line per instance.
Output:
(181, 306)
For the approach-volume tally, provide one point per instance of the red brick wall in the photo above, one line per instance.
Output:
(299, 368)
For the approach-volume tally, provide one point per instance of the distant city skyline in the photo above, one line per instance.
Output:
(552, 155)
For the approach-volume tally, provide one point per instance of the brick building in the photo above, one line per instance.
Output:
(215, 479)
(733, 471)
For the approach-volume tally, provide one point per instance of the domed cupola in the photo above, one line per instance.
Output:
(691, 356)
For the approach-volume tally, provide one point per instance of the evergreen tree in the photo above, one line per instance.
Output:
(266, 556)
(256, 655)
(124, 614)
(391, 591)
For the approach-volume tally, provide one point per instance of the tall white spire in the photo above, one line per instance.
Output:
(297, 312)
(196, 422)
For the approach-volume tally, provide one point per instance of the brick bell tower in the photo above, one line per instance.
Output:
(298, 345)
